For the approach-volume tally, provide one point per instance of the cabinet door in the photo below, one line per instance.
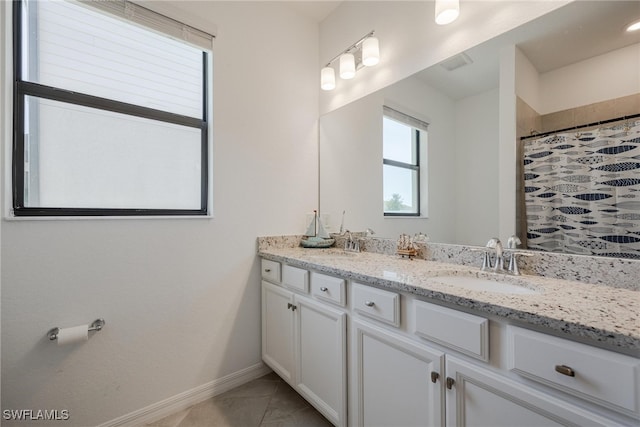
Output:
(391, 380)
(321, 355)
(479, 397)
(277, 330)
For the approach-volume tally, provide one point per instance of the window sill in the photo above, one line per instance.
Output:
(405, 217)
(11, 217)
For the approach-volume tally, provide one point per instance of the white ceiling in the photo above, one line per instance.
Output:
(573, 33)
(579, 31)
(316, 10)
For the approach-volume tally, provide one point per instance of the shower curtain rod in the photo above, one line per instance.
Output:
(603, 122)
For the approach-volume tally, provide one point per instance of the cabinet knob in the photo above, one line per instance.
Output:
(289, 306)
(434, 377)
(369, 303)
(323, 289)
(565, 370)
(450, 382)
(267, 270)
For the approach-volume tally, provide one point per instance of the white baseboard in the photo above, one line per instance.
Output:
(188, 398)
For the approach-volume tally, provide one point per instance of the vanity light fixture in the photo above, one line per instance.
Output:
(328, 78)
(363, 53)
(447, 11)
(370, 51)
(347, 66)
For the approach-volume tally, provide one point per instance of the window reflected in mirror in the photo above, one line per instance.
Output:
(402, 145)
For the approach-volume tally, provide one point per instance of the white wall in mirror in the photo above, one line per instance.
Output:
(608, 76)
(476, 169)
(461, 163)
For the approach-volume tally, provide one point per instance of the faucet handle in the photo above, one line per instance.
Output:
(513, 242)
(486, 257)
(493, 242)
(513, 262)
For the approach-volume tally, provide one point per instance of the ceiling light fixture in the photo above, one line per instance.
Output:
(634, 26)
(363, 53)
(447, 11)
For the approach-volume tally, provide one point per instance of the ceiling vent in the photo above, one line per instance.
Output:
(460, 60)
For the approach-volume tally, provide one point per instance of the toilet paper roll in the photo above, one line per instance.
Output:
(73, 335)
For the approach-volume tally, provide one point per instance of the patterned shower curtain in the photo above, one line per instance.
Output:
(582, 191)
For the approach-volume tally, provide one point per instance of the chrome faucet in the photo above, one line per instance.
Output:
(350, 244)
(512, 244)
(495, 244)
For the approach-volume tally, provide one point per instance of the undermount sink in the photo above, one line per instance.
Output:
(484, 284)
(334, 254)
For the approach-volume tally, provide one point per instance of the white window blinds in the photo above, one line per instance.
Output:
(82, 50)
(137, 14)
(405, 118)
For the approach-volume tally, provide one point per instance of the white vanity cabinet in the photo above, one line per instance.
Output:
(592, 374)
(304, 341)
(393, 380)
(415, 363)
(478, 397)
(277, 330)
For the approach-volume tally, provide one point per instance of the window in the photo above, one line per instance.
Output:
(402, 144)
(110, 117)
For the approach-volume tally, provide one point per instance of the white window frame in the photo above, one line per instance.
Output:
(142, 17)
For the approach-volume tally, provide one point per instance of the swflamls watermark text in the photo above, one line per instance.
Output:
(35, 414)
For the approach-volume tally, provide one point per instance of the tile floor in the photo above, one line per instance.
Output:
(265, 402)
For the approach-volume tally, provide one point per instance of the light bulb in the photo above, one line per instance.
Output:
(634, 26)
(447, 11)
(370, 51)
(347, 66)
(327, 78)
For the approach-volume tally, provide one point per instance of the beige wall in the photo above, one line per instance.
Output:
(591, 113)
(181, 297)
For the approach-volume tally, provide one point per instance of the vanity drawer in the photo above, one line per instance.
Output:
(328, 288)
(377, 303)
(591, 373)
(295, 278)
(271, 271)
(464, 332)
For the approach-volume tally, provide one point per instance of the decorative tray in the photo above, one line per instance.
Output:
(317, 242)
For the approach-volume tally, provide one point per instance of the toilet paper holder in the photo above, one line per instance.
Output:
(96, 326)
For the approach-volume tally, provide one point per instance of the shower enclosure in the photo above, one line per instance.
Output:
(582, 189)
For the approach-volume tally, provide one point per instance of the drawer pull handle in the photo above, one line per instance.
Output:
(450, 383)
(323, 289)
(369, 303)
(267, 270)
(565, 370)
(434, 376)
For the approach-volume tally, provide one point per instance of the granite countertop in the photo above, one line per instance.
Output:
(600, 315)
